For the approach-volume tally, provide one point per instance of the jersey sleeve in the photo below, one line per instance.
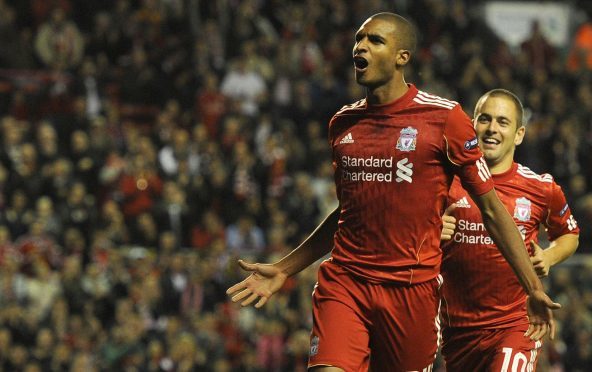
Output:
(462, 150)
(559, 221)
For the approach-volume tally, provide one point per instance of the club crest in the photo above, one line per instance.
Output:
(522, 209)
(407, 139)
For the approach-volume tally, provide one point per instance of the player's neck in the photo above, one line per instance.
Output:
(501, 167)
(387, 93)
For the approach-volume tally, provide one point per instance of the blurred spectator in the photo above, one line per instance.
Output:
(77, 211)
(580, 54)
(246, 87)
(173, 214)
(540, 53)
(41, 289)
(84, 159)
(244, 238)
(15, 49)
(58, 181)
(144, 230)
(139, 84)
(210, 104)
(47, 217)
(59, 43)
(47, 146)
(91, 88)
(178, 150)
(140, 187)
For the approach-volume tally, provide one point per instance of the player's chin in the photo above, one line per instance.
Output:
(489, 153)
(361, 79)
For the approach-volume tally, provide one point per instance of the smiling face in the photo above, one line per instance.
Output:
(498, 124)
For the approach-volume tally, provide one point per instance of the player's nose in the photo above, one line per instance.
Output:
(492, 127)
(360, 47)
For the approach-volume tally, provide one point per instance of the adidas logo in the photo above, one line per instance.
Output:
(348, 138)
(463, 203)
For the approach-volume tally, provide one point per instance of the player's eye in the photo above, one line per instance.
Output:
(483, 119)
(375, 39)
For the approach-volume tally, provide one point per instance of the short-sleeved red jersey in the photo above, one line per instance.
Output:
(480, 289)
(394, 164)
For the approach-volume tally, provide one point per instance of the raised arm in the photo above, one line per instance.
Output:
(266, 279)
(506, 236)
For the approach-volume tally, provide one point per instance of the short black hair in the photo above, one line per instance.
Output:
(406, 31)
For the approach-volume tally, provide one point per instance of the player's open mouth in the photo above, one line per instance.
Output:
(360, 63)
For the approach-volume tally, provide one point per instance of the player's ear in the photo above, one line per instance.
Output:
(403, 57)
(519, 135)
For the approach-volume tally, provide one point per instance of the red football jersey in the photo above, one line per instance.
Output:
(480, 288)
(394, 164)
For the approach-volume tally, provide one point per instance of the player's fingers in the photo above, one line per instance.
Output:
(535, 331)
(235, 288)
(249, 300)
(239, 296)
(247, 266)
(540, 271)
(449, 219)
(262, 301)
(542, 332)
(552, 329)
(552, 305)
(450, 209)
(529, 331)
(449, 225)
(447, 232)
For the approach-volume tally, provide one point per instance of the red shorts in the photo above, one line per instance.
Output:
(500, 350)
(360, 325)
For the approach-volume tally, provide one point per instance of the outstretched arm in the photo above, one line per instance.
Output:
(559, 250)
(266, 279)
(506, 236)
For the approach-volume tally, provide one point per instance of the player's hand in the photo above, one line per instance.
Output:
(448, 223)
(541, 266)
(264, 281)
(540, 317)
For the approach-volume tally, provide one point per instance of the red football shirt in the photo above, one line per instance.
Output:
(394, 164)
(480, 288)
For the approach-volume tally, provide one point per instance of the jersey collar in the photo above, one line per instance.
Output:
(397, 104)
(500, 177)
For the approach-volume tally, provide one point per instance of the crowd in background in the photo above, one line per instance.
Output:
(146, 144)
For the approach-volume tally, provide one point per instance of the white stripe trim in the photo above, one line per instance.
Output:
(437, 99)
(433, 96)
(446, 106)
(351, 106)
(535, 176)
(533, 356)
(525, 171)
(440, 280)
